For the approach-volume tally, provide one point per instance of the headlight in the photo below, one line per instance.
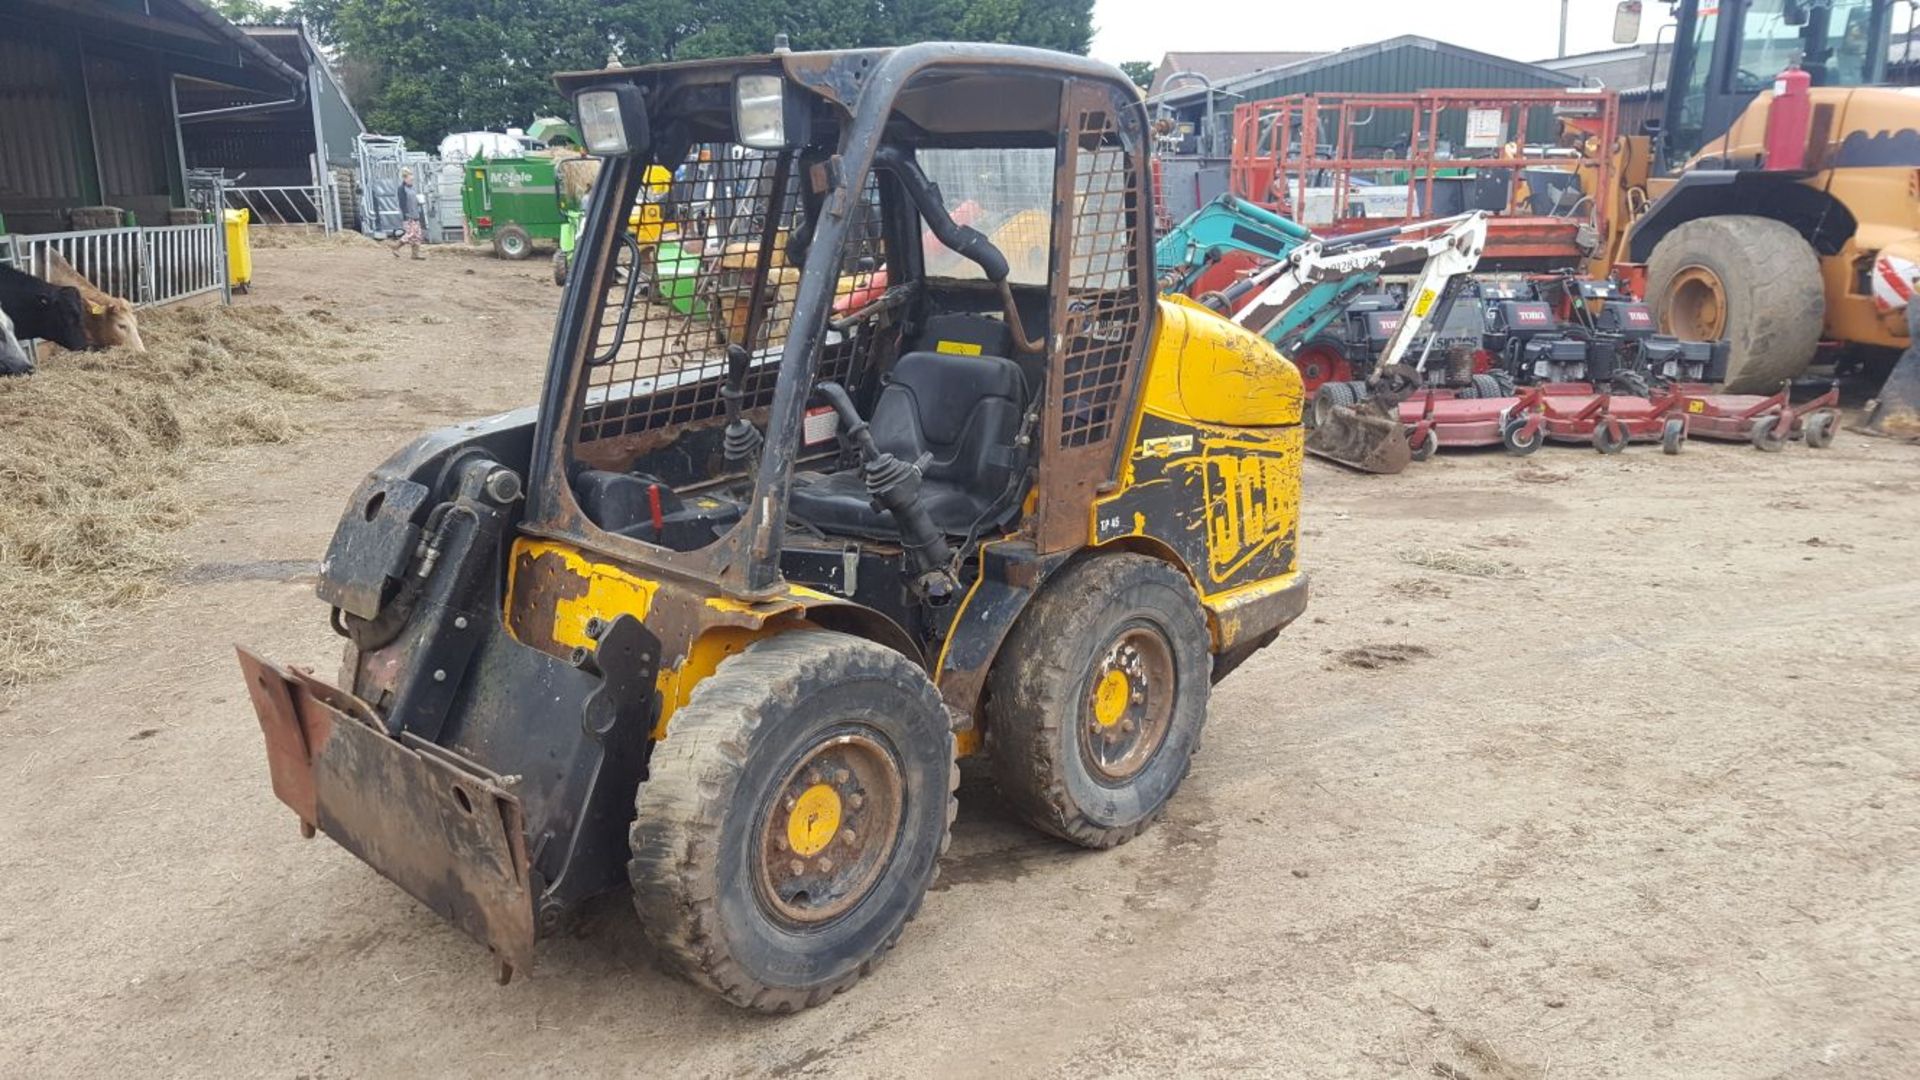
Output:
(613, 121)
(760, 111)
(600, 122)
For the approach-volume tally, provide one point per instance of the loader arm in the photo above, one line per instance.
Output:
(1309, 288)
(1366, 434)
(1449, 256)
(1224, 225)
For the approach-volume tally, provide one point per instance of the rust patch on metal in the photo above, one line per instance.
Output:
(450, 833)
(540, 582)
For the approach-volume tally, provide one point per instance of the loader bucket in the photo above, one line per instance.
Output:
(1896, 413)
(1359, 438)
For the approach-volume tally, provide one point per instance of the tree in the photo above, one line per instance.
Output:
(250, 12)
(1140, 71)
(430, 67)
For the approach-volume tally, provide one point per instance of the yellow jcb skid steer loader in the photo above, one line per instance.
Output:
(820, 492)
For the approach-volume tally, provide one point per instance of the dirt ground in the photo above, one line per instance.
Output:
(1577, 767)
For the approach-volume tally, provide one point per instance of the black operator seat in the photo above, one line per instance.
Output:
(963, 406)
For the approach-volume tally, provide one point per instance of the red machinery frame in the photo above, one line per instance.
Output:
(1275, 145)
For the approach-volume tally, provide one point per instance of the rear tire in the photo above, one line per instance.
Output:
(1329, 397)
(1752, 280)
(743, 877)
(512, 242)
(1097, 699)
(1321, 361)
(560, 268)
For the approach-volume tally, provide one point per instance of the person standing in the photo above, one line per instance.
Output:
(413, 215)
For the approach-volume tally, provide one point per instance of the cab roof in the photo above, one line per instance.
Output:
(842, 74)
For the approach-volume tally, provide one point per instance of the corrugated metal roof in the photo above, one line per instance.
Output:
(1615, 69)
(1395, 64)
(1220, 66)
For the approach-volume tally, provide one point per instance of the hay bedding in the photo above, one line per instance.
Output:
(96, 454)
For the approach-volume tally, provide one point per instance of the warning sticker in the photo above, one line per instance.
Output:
(957, 348)
(1484, 128)
(820, 425)
(1424, 304)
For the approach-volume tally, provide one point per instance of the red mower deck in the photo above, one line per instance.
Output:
(1578, 413)
(1766, 422)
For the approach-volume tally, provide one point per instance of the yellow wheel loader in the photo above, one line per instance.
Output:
(712, 622)
(1779, 207)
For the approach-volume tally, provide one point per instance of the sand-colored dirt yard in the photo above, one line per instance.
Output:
(1578, 766)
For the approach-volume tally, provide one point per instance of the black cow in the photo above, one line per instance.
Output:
(42, 310)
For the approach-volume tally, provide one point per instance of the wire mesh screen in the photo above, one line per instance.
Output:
(715, 272)
(1103, 305)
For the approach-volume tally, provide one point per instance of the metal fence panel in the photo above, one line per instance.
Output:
(183, 261)
(304, 205)
(110, 258)
(144, 266)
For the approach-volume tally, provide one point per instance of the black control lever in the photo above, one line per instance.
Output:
(894, 486)
(740, 443)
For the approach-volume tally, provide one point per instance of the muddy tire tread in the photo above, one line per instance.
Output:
(1032, 671)
(1776, 299)
(676, 839)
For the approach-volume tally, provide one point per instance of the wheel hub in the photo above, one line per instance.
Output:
(830, 829)
(1697, 305)
(1129, 703)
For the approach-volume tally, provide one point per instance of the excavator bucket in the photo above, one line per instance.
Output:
(1359, 437)
(1896, 413)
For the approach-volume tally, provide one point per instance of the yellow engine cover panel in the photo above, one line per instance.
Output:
(1207, 369)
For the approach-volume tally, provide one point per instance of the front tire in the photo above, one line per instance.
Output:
(793, 819)
(1095, 706)
(1752, 280)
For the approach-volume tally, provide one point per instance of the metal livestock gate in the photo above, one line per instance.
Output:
(144, 266)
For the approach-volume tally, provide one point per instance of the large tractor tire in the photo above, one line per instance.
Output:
(1095, 706)
(793, 818)
(1752, 280)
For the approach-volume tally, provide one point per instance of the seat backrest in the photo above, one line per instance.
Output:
(964, 410)
(966, 335)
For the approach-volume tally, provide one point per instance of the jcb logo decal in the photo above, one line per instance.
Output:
(1251, 505)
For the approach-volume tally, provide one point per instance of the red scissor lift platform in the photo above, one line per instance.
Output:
(1339, 163)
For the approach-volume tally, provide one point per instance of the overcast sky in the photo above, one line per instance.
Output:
(1520, 29)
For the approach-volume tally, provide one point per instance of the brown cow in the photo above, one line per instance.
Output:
(110, 319)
